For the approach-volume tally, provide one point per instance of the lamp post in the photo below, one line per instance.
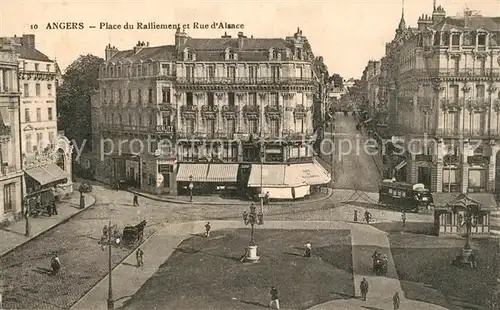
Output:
(262, 156)
(26, 217)
(190, 186)
(469, 220)
(253, 219)
(110, 238)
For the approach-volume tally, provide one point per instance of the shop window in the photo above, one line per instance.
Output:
(8, 197)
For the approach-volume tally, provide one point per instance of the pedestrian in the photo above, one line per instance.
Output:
(355, 216)
(49, 209)
(308, 246)
(208, 228)
(275, 303)
(55, 264)
(136, 200)
(139, 254)
(368, 217)
(54, 208)
(403, 217)
(396, 301)
(293, 193)
(363, 287)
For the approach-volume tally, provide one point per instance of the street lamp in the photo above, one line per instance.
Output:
(253, 219)
(262, 156)
(469, 220)
(110, 237)
(190, 186)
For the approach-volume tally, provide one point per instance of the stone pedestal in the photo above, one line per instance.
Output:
(252, 254)
(466, 253)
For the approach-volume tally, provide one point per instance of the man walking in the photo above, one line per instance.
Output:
(355, 216)
(403, 217)
(54, 208)
(396, 301)
(208, 228)
(275, 303)
(139, 256)
(363, 287)
(136, 200)
(308, 246)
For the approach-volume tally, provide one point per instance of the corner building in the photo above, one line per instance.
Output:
(237, 112)
(441, 80)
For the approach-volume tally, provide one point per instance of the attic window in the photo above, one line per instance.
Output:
(189, 55)
(275, 55)
(455, 40)
(299, 53)
(481, 39)
(231, 56)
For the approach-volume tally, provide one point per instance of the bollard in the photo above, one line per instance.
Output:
(82, 202)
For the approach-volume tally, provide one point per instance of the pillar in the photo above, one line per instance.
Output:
(465, 167)
(281, 104)
(2, 88)
(289, 107)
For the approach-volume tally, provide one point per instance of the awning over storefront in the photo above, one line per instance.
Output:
(222, 173)
(47, 174)
(293, 175)
(306, 174)
(272, 176)
(198, 172)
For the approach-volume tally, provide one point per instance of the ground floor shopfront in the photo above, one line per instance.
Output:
(10, 197)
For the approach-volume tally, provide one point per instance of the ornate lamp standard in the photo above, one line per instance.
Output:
(253, 219)
(109, 240)
(469, 220)
(190, 186)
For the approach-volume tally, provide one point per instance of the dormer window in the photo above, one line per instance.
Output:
(299, 53)
(481, 39)
(231, 56)
(455, 39)
(275, 55)
(189, 55)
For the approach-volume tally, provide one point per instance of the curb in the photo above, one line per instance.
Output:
(117, 265)
(64, 220)
(330, 193)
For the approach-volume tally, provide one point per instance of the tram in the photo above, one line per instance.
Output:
(404, 196)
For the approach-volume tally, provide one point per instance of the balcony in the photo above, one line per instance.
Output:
(166, 107)
(209, 111)
(189, 111)
(462, 72)
(164, 74)
(251, 111)
(451, 160)
(452, 104)
(245, 80)
(476, 104)
(273, 112)
(230, 111)
(424, 102)
(300, 111)
(164, 129)
(478, 160)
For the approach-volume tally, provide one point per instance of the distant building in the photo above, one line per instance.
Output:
(10, 149)
(214, 99)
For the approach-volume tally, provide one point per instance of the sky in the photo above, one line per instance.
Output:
(347, 33)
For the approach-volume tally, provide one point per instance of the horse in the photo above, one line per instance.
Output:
(133, 234)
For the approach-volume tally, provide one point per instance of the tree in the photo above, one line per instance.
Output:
(80, 80)
(336, 80)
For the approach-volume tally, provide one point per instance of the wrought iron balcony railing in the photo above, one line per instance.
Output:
(461, 72)
(209, 109)
(273, 109)
(164, 128)
(188, 108)
(251, 109)
(244, 80)
(229, 108)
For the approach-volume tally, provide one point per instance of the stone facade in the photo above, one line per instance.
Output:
(439, 83)
(202, 100)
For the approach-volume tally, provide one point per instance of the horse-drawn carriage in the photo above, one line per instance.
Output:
(133, 235)
(380, 263)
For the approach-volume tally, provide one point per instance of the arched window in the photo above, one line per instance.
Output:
(189, 55)
(275, 55)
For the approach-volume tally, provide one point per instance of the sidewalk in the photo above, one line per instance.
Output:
(12, 236)
(127, 279)
(218, 201)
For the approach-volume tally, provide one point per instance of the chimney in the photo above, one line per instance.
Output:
(240, 35)
(424, 21)
(138, 47)
(180, 38)
(28, 40)
(110, 51)
(226, 36)
(438, 15)
(241, 40)
(467, 16)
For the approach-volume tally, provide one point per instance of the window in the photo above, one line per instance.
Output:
(437, 37)
(189, 55)
(38, 114)
(230, 152)
(27, 115)
(139, 96)
(482, 65)
(299, 72)
(48, 67)
(210, 99)
(478, 123)
(210, 128)
(26, 89)
(165, 68)
(451, 180)
(275, 100)
(231, 56)
(231, 72)
(480, 91)
(481, 39)
(231, 126)
(299, 125)
(144, 69)
(275, 72)
(36, 67)
(166, 119)
(150, 95)
(210, 72)
(49, 113)
(165, 95)
(252, 99)
(299, 53)
(8, 197)
(452, 122)
(130, 119)
(39, 138)
(190, 126)
(275, 55)
(253, 126)
(275, 127)
(129, 95)
(477, 180)
(28, 143)
(230, 99)
(252, 73)
(120, 97)
(189, 73)
(49, 89)
(189, 99)
(455, 40)
(52, 137)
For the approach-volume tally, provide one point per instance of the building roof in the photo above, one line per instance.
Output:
(164, 52)
(474, 22)
(249, 44)
(26, 52)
